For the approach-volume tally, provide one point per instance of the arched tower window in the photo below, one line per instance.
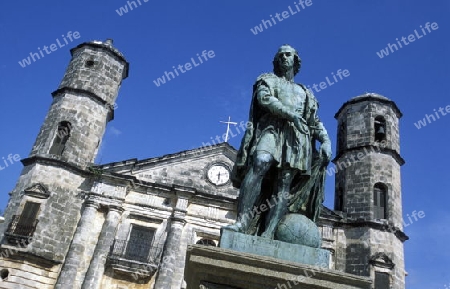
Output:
(89, 63)
(206, 242)
(379, 201)
(342, 135)
(380, 128)
(382, 280)
(62, 135)
(339, 202)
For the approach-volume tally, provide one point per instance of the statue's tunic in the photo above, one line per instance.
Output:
(274, 133)
(271, 129)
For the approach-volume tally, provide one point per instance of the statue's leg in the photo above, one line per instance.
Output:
(251, 189)
(281, 207)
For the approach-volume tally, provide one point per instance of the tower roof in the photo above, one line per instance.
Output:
(371, 96)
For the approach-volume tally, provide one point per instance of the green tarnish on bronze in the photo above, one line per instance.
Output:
(278, 168)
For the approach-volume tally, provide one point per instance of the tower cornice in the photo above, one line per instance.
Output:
(373, 97)
(372, 148)
(85, 93)
(381, 226)
(53, 160)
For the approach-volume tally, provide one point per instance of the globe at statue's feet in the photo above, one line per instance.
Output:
(298, 229)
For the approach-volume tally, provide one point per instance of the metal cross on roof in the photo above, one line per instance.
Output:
(228, 127)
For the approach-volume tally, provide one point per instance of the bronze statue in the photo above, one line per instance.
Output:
(278, 168)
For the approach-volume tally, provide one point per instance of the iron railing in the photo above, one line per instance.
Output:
(136, 250)
(21, 228)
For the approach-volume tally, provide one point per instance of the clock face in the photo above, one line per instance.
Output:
(218, 174)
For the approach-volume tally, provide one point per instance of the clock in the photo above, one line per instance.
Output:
(218, 174)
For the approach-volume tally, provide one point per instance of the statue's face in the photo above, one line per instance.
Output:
(286, 57)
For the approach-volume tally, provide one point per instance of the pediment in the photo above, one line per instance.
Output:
(380, 259)
(38, 191)
(187, 168)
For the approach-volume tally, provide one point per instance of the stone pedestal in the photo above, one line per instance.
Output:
(218, 268)
(272, 248)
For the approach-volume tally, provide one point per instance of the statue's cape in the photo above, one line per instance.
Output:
(307, 194)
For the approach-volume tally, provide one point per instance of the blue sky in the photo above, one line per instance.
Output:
(185, 112)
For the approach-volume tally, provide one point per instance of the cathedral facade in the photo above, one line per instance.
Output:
(72, 224)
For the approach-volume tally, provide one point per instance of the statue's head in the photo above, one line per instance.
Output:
(286, 49)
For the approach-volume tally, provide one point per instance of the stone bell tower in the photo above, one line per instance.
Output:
(44, 208)
(368, 189)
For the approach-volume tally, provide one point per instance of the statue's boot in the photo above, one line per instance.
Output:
(236, 227)
(281, 208)
(240, 226)
(250, 192)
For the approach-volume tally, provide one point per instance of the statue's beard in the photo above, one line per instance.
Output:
(287, 72)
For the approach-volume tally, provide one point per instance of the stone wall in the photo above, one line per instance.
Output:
(96, 68)
(24, 273)
(58, 182)
(367, 243)
(356, 123)
(87, 120)
(58, 217)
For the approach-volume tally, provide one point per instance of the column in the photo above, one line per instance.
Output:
(171, 250)
(328, 243)
(96, 269)
(166, 273)
(66, 278)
